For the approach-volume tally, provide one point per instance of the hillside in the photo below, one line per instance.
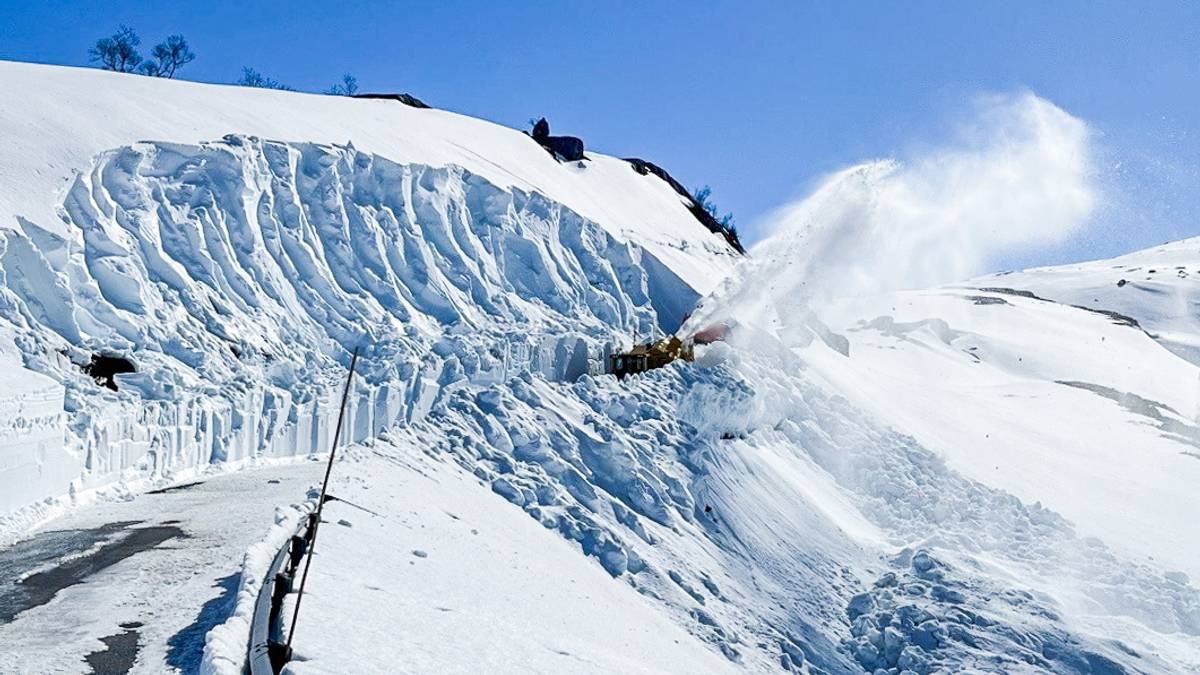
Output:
(994, 475)
(233, 244)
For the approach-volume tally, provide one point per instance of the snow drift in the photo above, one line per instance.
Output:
(234, 273)
(793, 504)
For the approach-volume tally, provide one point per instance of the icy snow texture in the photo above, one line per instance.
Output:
(237, 274)
(31, 431)
(55, 120)
(764, 504)
(783, 526)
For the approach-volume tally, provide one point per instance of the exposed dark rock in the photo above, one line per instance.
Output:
(564, 148)
(569, 148)
(406, 99)
(646, 168)
(102, 368)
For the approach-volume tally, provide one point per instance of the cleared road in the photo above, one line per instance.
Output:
(134, 586)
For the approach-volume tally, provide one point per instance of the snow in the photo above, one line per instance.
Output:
(234, 244)
(1158, 287)
(995, 475)
(767, 514)
(460, 581)
(1053, 403)
(225, 645)
(57, 119)
(31, 432)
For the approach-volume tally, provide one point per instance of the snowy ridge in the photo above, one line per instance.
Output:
(56, 120)
(1159, 288)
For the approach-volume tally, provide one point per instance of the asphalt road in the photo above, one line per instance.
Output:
(133, 586)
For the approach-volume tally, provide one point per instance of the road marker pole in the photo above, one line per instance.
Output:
(321, 504)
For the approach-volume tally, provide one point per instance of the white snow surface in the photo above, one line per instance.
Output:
(459, 581)
(56, 120)
(970, 478)
(235, 244)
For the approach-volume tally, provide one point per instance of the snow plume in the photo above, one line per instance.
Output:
(1018, 176)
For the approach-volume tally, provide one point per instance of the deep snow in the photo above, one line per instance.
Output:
(236, 243)
(979, 477)
(460, 582)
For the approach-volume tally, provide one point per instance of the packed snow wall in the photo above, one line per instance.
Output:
(236, 276)
(31, 431)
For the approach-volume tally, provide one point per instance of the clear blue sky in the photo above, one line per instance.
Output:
(755, 99)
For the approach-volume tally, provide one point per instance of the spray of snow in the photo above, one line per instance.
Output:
(1019, 175)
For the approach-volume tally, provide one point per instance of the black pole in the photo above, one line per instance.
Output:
(337, 433)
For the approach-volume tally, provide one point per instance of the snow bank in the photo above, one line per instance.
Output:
(786, 527)
(226, 644)
(235, 260)
(56, 119)
(32, 432)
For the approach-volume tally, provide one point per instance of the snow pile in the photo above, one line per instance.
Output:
(225, 645)
(234, 273)
(783, 526)
(31, 431)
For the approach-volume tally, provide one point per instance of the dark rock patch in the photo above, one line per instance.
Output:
(564, 148)
(103, 367)
(706, 219)
(407, 99)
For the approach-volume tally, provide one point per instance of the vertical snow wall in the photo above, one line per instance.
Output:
(237, 275)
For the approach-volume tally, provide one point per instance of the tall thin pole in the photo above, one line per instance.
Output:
(337, 433)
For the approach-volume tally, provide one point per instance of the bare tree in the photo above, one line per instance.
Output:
(169, 56)
(347, 87)
(253, 78)
(118, 51)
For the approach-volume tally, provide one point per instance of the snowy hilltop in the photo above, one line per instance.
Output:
(878, 468)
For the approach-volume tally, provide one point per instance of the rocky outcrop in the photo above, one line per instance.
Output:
(646, 168)
(406, 99)
(565, 148)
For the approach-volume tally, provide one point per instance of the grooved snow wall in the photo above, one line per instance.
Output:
(237, 273)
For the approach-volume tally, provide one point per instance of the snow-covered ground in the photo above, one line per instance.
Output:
(996, 475)
(461, 582)
(234, 244)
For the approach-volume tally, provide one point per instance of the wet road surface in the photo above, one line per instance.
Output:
(133, 586)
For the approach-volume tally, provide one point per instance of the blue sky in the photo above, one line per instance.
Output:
(757, 100)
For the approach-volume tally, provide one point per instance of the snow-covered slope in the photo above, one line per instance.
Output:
(57, 120)
(1077, 409)
(234, 244)
(961, 479)
(1159, 288)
